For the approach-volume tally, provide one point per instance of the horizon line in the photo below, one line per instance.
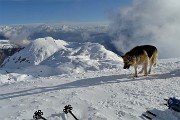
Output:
(61, 23)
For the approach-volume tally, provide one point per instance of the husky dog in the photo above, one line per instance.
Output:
(141, 55)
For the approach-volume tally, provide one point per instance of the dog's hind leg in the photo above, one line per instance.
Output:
(150, 67)
(145, 68)
(153, 61)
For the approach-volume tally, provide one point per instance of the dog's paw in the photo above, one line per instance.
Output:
(145, 74)
(135, 76)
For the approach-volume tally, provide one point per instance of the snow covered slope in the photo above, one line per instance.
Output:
(95, 84)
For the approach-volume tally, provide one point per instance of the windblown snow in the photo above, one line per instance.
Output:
(49, 74)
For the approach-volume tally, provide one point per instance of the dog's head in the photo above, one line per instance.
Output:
(128, 60)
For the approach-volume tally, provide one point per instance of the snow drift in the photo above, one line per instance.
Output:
(55, 57)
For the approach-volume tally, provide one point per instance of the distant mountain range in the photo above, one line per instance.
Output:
(70, 33)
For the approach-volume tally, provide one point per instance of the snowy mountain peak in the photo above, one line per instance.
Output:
(58, 57)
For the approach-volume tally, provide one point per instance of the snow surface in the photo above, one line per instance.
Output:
(49, 74)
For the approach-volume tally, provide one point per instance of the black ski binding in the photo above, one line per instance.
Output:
(67, 109)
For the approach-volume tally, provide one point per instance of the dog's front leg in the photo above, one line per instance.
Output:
(135, 71)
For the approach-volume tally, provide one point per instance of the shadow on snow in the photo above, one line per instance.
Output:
(89, 82)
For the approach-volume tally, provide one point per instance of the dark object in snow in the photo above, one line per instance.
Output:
(8, 50)
(149, 115)
(146, 116)
(173, 104)
(67, 109)
(38, 115)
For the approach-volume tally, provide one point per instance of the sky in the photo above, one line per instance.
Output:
(55, 11)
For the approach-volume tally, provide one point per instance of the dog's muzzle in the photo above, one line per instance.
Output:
(126, 66)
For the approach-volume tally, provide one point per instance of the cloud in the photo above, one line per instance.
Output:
(18, 35)
(155, 22)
